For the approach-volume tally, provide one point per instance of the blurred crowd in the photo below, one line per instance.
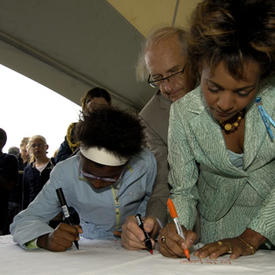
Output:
(24, 170)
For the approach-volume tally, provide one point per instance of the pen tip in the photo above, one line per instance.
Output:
(188, 259)
(76, 244)
(151, 251)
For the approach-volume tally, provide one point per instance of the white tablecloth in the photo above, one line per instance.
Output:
(108, 257)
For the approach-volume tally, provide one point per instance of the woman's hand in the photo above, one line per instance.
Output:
(171, 244)
(236, 247)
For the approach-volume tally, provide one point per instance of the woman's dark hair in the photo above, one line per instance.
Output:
(233, 31)
(115, 130)
(95, 92)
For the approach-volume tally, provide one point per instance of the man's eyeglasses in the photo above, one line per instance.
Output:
(155, 83)
(94, 177)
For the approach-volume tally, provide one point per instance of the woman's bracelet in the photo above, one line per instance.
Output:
(251, 247)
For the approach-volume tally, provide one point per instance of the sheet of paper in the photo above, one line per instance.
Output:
(108, 257)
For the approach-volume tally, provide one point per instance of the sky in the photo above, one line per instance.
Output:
(28, 108)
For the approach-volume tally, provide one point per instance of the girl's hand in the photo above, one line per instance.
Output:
(61, 238)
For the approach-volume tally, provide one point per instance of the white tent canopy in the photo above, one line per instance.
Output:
(71, 46)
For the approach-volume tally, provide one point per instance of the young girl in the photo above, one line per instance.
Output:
(110, 178)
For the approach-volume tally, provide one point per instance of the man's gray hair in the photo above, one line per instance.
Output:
(157, 35)
(14, 151)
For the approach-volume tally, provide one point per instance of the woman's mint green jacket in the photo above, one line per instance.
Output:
(229, 199)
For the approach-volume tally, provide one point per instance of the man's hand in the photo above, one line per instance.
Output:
(171, 244)
(61, 238)
(132, 236)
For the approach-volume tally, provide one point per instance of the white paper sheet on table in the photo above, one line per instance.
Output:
(108, 257)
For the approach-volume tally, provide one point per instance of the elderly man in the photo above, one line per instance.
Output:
(163, 62)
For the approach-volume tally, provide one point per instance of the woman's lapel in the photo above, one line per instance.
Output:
(255, 130)
(209, 137)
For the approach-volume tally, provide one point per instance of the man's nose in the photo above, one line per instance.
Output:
(166, 86)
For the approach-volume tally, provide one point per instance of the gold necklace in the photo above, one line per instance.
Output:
(233, 123)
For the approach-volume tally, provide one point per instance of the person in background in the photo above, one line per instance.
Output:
(14, 151)
(93, 99)
(23, 161)
(163, 63)
(14, 204)
(8, 180)
(221, 135)
(37, 172)
(24, 155)
(111, 177)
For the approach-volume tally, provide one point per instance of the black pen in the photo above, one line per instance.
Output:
(147, 240)
(65, 209)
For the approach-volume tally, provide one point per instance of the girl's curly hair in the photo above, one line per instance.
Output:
(115, 130)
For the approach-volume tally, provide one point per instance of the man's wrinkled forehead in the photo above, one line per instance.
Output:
(164, 57)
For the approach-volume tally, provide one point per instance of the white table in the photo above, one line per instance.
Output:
(108, 257)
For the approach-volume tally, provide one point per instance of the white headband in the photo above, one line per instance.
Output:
(102, 156)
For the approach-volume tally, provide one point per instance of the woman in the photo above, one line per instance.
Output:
(24, 155)
(221, 154)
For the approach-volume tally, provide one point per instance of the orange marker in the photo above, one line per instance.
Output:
(174, 215)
